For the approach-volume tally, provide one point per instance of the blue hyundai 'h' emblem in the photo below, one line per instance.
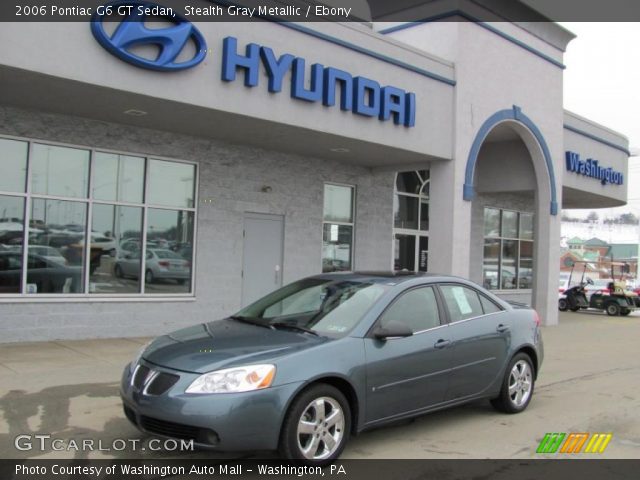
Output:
(132, 32)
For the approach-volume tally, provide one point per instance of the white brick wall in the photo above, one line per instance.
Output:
(232, 177)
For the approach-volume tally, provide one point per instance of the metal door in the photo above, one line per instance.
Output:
(262, 260)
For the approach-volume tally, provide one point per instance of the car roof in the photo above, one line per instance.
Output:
(393, 277)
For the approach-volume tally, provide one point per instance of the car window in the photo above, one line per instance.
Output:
(462, 302)
(307, 300)
(488, 306)
(416, 309)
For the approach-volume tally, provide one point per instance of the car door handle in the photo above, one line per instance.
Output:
(442, 343)
(502, 328)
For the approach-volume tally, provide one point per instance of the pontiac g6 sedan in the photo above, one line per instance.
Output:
(330, 356)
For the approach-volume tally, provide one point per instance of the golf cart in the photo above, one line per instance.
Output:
(574, 297)
(616, 299)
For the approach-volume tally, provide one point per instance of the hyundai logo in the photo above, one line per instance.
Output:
(132, 32)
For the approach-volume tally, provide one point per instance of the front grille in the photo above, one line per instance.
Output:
(140, 376)
(177, 430)
(161, 383)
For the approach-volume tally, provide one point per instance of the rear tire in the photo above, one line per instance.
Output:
(517, 386)
(563, 305)
(316, 427)
(613, 309)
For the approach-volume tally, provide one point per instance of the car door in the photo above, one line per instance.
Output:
(480, 332)
(410, 373)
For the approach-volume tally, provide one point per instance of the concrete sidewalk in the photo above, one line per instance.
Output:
(589, 383)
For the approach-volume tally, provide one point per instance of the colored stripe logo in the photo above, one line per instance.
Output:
(574, 443)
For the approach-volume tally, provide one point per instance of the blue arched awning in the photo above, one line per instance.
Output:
(514, 114)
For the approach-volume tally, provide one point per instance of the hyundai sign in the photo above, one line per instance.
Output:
(317, 83)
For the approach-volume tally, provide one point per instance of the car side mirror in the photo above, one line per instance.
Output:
(391, 330)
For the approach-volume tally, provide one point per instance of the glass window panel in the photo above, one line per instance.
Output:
(11, 239)
(338, 203)
(526, 226)
(169, 251)
(336, 247)
(423, 254)
(424, 174)
(61, 227)
(405, 212)
(462, 302)
(118, 178)
(424, 214)
(491, 264)
(404, 252)
(508, 269)
(171, 184)
(509, 224)
(525, 272)
(59, 171)
(491, 222)
(417, 309)
(13, 161)
(112, 228)
(408, 182)
(488, 306)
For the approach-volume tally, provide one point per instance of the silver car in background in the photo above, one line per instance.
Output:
(160, 264)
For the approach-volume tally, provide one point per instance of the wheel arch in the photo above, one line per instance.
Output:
(340, 383)
(532, 354)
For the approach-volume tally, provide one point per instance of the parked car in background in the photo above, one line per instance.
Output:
(160, 264)
(599, 285)
(47, 252)
(328, 356)
(43, 274)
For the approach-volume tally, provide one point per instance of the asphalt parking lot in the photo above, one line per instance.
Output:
(588, 383)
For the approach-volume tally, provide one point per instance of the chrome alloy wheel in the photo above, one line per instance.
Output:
(320, 428)
(520, 382)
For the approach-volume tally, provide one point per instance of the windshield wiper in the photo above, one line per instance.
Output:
(251, 321)
(294, 327)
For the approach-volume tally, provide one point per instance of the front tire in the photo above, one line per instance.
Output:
(517, 386)
(316, 427)
(563, 305)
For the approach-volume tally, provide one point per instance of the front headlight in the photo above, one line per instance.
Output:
(234, 380)
(136, 359)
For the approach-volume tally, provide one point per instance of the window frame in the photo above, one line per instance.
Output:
(352, 224)
(501, 239)
(89, 201)
(417, 233)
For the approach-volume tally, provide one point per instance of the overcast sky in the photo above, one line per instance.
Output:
(602, 83)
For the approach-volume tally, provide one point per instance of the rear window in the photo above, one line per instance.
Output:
(462, 302)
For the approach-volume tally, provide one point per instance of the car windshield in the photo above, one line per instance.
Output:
(325, 306)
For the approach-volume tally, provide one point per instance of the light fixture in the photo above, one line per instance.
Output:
(135, 113)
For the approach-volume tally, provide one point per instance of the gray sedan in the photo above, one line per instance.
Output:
(330, 356)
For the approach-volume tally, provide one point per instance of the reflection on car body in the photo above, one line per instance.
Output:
(323, 358)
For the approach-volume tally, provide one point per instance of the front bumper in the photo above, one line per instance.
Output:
(224, 422)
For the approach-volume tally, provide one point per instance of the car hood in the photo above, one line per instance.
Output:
(225, 343)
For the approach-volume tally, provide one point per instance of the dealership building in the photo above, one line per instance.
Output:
(238, 157)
